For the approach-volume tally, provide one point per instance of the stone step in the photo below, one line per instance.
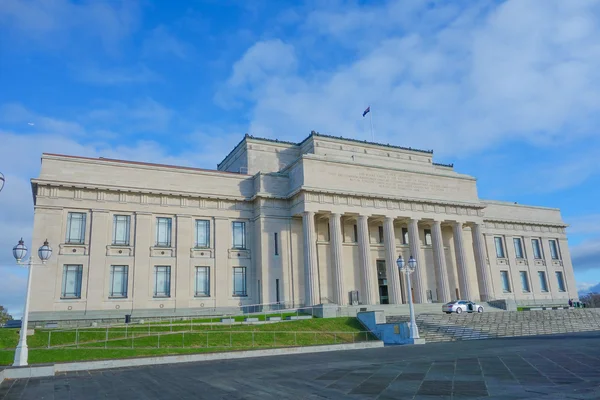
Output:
(455, 327)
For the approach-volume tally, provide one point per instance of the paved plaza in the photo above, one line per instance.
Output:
(543, 367)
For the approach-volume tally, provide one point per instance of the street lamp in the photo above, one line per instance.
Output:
(407, 270)
(19, 252)
(1, 181)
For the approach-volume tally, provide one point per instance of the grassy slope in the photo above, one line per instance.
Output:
(308, 332)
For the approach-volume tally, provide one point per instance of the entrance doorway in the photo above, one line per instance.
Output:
(382, 282)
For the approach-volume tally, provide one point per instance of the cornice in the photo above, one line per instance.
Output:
(129, 189)
(524, 222)
(143, 165)
(309, 189)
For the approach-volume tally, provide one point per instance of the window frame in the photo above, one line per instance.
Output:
(127, 240)
(540, 251)
(78, 286)
(505, 274)
(276, 242)
(520, 248)
(543, 281)
(404, 235)
(498, 240)
(155, 291)
(240, 271)
(554, 252)
(169, 242)
(241, 224)
(83, 223)
(197, 244)
(427, 233)
(561, 282)
(355, 229)
(206, 292)
(125, 284)
(525, 286)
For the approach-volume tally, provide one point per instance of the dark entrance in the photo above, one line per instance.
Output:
(382, 281)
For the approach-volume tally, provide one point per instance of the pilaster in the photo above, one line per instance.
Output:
(439, 257)
(364, 251)
(337, 258)
(415, 250)
(390, 261)
(483, 272)
(461, 261)
(311, 273)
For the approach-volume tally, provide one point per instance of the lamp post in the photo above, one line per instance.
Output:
(407, 270)
(19, 252)
(1, 181)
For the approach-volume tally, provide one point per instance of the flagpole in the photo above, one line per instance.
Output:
(371, 119)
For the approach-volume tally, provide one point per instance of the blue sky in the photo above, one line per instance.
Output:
(508, 91)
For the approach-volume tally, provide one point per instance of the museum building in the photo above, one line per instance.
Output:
(317, 222)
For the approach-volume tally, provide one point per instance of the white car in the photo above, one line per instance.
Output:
(459, 306)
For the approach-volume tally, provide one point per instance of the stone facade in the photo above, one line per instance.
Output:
(316, 222)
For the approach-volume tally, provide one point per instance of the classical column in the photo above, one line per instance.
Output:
(461, 261)
(336, 255)
(393, 274)
(439, 257)
(415, 250)
(310, 260)
(364, 252)
(483, 273)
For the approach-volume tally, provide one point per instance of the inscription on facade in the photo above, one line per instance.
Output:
(395, 181)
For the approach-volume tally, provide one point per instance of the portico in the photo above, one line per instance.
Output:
(380, 238)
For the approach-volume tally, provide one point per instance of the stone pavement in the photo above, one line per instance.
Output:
(543, 367)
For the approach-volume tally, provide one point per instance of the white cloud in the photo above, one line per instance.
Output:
(586, 255)
(59, 24)
(141, 116)
(161, 42)
(116, 76)
(462, 81)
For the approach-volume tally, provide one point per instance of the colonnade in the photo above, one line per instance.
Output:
(368, 268)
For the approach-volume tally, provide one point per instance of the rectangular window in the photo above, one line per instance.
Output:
(328, 232)
(163, 232)
(554, 250)
(118, 281)
(427, 237)
(202, 233)
(239, 235)
(524, 281)
(561, 282)
(162, 281)
(505, 281)
(404, 235)
(543, 282)
(121, 224)
(75, 228)
(239, 281)
(276, 243)
(381, 234)
(518, 247)
(537, 250)
(202, 281)
(499, 247)
(355, 233)
(71, 284)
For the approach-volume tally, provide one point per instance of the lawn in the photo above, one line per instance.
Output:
(53, 345)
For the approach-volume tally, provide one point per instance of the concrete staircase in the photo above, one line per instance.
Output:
(440, 327)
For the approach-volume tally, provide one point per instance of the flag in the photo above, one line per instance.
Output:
(368, 110)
